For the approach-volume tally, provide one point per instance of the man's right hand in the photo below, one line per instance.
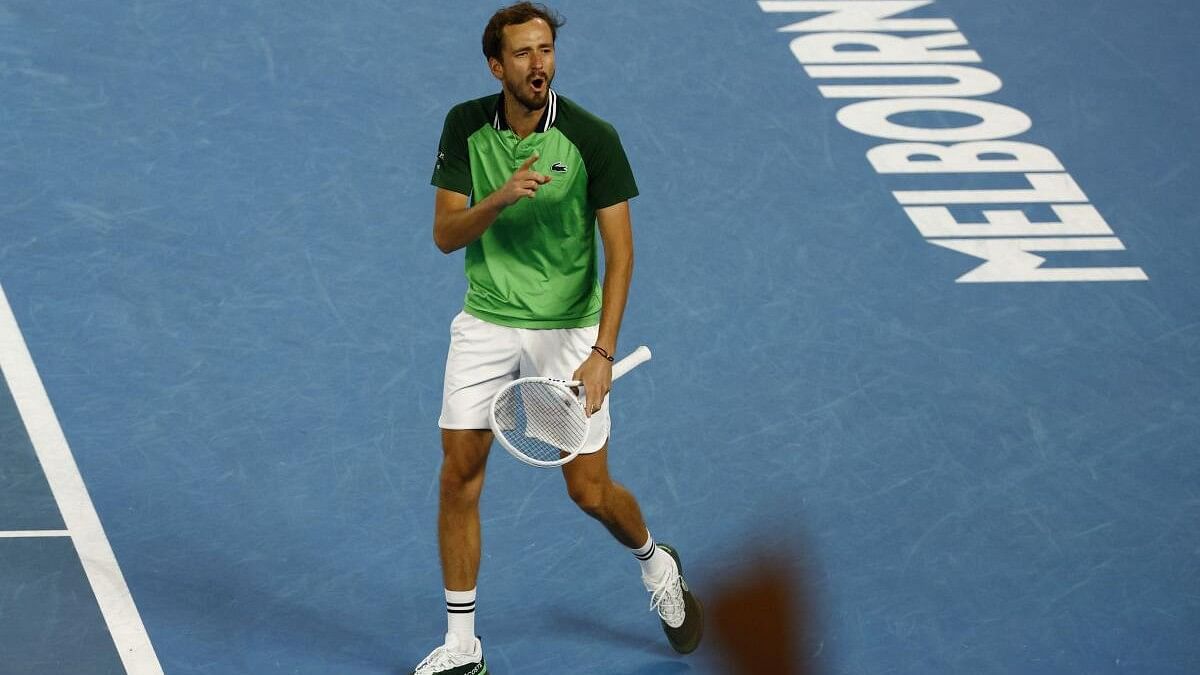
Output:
(457, 224)
(523, 183)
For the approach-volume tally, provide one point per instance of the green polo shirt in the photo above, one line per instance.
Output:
(537, 265)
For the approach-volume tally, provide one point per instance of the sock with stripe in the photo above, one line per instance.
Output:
(653, 561)
(460, 615)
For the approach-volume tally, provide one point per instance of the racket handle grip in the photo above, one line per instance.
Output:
(636, 358)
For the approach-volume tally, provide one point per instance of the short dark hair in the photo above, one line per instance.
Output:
(516, 14)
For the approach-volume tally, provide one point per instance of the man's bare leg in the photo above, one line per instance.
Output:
(602, 498)
(594, 491)
(464, 459)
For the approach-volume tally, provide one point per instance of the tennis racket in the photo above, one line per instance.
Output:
(541, 421)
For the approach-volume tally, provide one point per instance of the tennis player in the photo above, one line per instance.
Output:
(524, 179)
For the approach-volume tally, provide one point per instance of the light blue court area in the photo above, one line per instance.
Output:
(925, 395)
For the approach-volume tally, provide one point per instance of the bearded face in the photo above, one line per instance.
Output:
(526, 64)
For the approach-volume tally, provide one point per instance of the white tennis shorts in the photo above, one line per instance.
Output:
(484, 357)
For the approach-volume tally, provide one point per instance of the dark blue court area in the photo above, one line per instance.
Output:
(909, 411)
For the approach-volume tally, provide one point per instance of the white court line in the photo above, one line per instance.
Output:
(22, 534)
(83, 525)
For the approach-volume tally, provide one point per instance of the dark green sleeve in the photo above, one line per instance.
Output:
(610, 178)
(453, 168)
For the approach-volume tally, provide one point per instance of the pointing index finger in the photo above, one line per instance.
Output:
(529, 162)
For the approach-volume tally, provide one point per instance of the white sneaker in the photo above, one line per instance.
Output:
(450, 659)
(666, 595)
(680, 610)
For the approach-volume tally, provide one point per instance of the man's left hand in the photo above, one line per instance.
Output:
(596, 376)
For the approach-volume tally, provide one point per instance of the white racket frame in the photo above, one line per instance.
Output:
(635, 358)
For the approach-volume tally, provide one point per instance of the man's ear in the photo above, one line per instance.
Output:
(496, 67)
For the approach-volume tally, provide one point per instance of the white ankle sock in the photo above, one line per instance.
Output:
(652, 560)
(460, 617)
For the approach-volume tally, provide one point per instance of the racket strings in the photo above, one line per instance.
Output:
(541, 420)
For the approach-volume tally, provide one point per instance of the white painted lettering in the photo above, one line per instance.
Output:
(824, 48)
(909, 95)
(968, 81)
(1047, 188)
(1073, 220)
(1011, 260)
(872, 118)
(979, 157)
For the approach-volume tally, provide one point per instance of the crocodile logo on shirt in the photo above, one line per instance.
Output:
(558, 167)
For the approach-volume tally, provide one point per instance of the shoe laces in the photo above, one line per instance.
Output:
(441, 659)
(666, 597)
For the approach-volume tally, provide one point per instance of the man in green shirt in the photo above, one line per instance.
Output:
(524, 179)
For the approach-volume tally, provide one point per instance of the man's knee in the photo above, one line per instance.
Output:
(460, 483)
(464, 460)
(589, 496)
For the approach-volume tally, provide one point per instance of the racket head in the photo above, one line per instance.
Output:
(540, 421)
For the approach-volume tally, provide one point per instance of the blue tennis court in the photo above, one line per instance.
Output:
(916, 405)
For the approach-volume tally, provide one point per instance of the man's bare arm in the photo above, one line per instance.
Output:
(616, 232)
